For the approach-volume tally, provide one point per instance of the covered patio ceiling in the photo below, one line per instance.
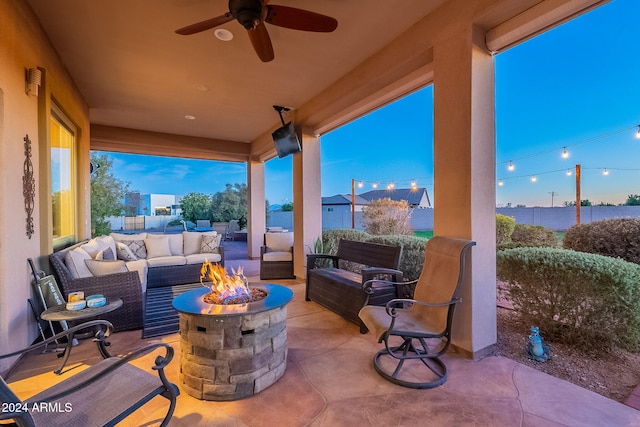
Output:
(136, 73)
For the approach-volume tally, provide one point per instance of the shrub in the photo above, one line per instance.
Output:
(587, 300)
(618, 237)
(330, 238)
(504, 227)
(386, 217)
(531, 235)
(412, 253)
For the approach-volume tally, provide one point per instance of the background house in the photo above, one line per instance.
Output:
(416, 197)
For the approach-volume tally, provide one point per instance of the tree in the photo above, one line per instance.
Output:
(386, 216)
(132, 203)
(633, 200)
(287, 207)
(584, 202)
(230, 204)
(107, 193)
(196, 206)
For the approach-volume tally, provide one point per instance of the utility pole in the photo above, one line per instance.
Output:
(553, 193)
(578, 202)
(353, 203)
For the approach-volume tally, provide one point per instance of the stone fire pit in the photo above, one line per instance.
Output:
(232, 351)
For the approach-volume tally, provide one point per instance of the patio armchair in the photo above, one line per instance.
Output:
(101, 395)
(276, 256)
(428, 316)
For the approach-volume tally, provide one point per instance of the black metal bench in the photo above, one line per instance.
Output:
(343, 291)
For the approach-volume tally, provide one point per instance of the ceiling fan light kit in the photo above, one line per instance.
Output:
(252, 14)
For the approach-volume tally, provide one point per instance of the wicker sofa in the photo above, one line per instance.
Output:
(85, 267)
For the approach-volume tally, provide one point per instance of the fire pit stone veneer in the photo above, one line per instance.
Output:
(232, 351)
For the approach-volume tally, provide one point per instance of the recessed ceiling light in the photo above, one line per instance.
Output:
(201, 88)
(223, 34)
(190, 117)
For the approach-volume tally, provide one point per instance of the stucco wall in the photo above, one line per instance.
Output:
(24, 45)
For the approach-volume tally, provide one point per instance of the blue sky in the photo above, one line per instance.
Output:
(576, 86)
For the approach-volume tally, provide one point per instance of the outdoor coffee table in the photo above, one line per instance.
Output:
(60, 313)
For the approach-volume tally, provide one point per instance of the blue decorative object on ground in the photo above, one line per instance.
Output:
(535, 349)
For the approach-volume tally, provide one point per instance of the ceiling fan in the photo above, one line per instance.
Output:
(252, 14)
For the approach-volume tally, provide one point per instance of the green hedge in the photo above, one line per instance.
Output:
(531, 235)
(618, 238)
(588, 300)
(412, 248)
(504, 228)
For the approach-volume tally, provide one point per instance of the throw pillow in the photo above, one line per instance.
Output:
(102, 268)
(93, 246)
(157, 247)
(75, 263)
(106, 255)
(137, 247)
(210, 244)
(124, 253)
(193, 241)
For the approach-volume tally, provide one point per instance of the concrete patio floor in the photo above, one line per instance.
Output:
(330, 381)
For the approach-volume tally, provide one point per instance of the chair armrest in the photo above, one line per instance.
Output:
(100, 335)
(368, 285)
(312, 258)
(394, 303)
(369, 273)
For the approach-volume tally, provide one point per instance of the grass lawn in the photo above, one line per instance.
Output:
(424, 233)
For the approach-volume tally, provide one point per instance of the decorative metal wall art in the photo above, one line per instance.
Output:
(28, 186)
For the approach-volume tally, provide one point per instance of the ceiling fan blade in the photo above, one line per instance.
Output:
(205, 25)
(299, 19)
(261, 42)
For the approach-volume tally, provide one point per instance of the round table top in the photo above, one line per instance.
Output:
(60, 312)
(191, 302)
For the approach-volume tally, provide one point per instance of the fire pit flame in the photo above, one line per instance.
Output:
(225, 288)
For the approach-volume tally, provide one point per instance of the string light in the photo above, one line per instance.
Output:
(565, 153)
(569, 172)
(374, 185)
(500, 183)
(510, 167)
(605, 172)
(573, 145)
(390, 186)
(534, 178)
(360, 184)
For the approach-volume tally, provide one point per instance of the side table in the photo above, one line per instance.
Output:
(60, 313)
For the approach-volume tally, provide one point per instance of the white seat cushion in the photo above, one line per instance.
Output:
(157, 247)
(200, 258)
(277, 256)
(175, 242)
(278, 242)
(103, 268)
(140, 267)
(166, 260)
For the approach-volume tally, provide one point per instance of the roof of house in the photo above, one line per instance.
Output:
(343, 199)
(413, 196)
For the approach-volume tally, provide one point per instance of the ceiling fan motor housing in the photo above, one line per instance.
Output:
(247, 12)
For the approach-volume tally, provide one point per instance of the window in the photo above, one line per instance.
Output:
(63, 182)
(163, 210)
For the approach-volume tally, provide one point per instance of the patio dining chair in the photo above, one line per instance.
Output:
(101, 395)
(405, 325)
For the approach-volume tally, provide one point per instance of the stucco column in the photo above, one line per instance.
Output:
(307, 201)
(464, 176)
(256, 221)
